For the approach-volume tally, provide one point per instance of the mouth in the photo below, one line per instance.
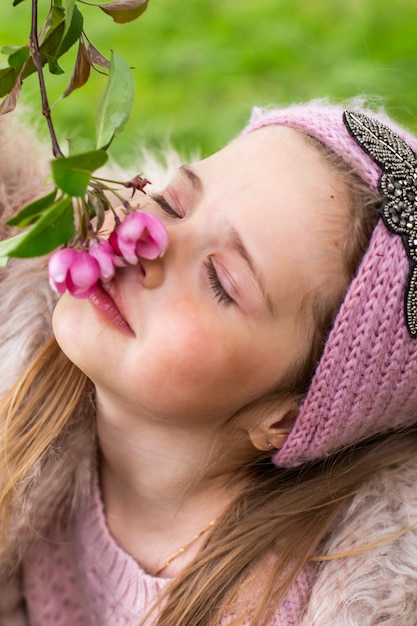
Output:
(106, 301)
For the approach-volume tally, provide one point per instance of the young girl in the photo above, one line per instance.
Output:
(225, 435)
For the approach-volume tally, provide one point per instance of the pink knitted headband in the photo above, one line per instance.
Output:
(366, 380)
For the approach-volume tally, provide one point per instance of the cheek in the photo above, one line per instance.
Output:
(200, 365)
(185, 352)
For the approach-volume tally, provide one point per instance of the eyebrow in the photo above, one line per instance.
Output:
(239, 246)
(192, 177)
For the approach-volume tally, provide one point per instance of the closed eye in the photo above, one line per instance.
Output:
(219, 291)
(164, 205)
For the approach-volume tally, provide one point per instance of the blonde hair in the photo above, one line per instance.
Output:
(47, 441)
(284, 514)
(282, 518)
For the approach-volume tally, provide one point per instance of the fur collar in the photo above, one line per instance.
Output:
(377, 585)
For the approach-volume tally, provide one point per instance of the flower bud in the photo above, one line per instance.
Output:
(73, 270)
(140, 235)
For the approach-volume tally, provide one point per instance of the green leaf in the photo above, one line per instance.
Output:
(77, 145)
(8, 77)
(53, 26)
(32, 211)
(123, 11)
(72, 34)
(116, 102)
(69, 11)
(72, 174)
(7, 245)
(53, 229)
(54, 66)
(18, 57)
(16, 2)
(7, 50)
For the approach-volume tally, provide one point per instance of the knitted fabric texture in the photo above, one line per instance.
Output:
(365, 382)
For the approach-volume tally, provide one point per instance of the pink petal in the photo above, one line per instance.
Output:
(132, 226)
(157, 233)
(103, 252)
(128, 250)
(58, 265)
(56, 286)
(59, 262)
(85, 271)
(114, 242)
(80, 292)
(147, 249)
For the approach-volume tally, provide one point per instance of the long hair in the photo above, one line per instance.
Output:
(47, 442)
(271, 532)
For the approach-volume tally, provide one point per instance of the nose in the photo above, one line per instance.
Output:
(152, 272)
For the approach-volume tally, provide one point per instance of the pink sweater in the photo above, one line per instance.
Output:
(84, 578)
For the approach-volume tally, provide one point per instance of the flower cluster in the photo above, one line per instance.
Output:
(140, 235)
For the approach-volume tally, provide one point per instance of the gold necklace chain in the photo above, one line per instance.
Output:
(185, 548)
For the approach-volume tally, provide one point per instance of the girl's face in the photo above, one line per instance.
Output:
(218, 320)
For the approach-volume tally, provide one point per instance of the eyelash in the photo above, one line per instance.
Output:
(164, 205)
(219, 291)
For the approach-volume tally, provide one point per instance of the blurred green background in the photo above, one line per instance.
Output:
(201, 64)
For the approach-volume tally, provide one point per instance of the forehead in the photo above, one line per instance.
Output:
(276, 159)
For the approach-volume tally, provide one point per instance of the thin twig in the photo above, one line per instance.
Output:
(46, 111)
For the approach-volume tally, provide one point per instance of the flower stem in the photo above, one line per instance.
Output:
(100, 183)
(46, 111)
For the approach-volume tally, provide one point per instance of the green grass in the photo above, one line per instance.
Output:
(201, 64)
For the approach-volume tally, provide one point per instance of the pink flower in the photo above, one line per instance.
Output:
(74, 270)
(140, 235)
(103, 253)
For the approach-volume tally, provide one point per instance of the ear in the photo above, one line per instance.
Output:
(272, 432)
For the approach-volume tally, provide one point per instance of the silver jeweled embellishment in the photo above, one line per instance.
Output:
(398, 184)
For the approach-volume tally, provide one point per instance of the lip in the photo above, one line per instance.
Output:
(107, 302)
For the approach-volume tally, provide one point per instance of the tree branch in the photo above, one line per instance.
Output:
(46, 111)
